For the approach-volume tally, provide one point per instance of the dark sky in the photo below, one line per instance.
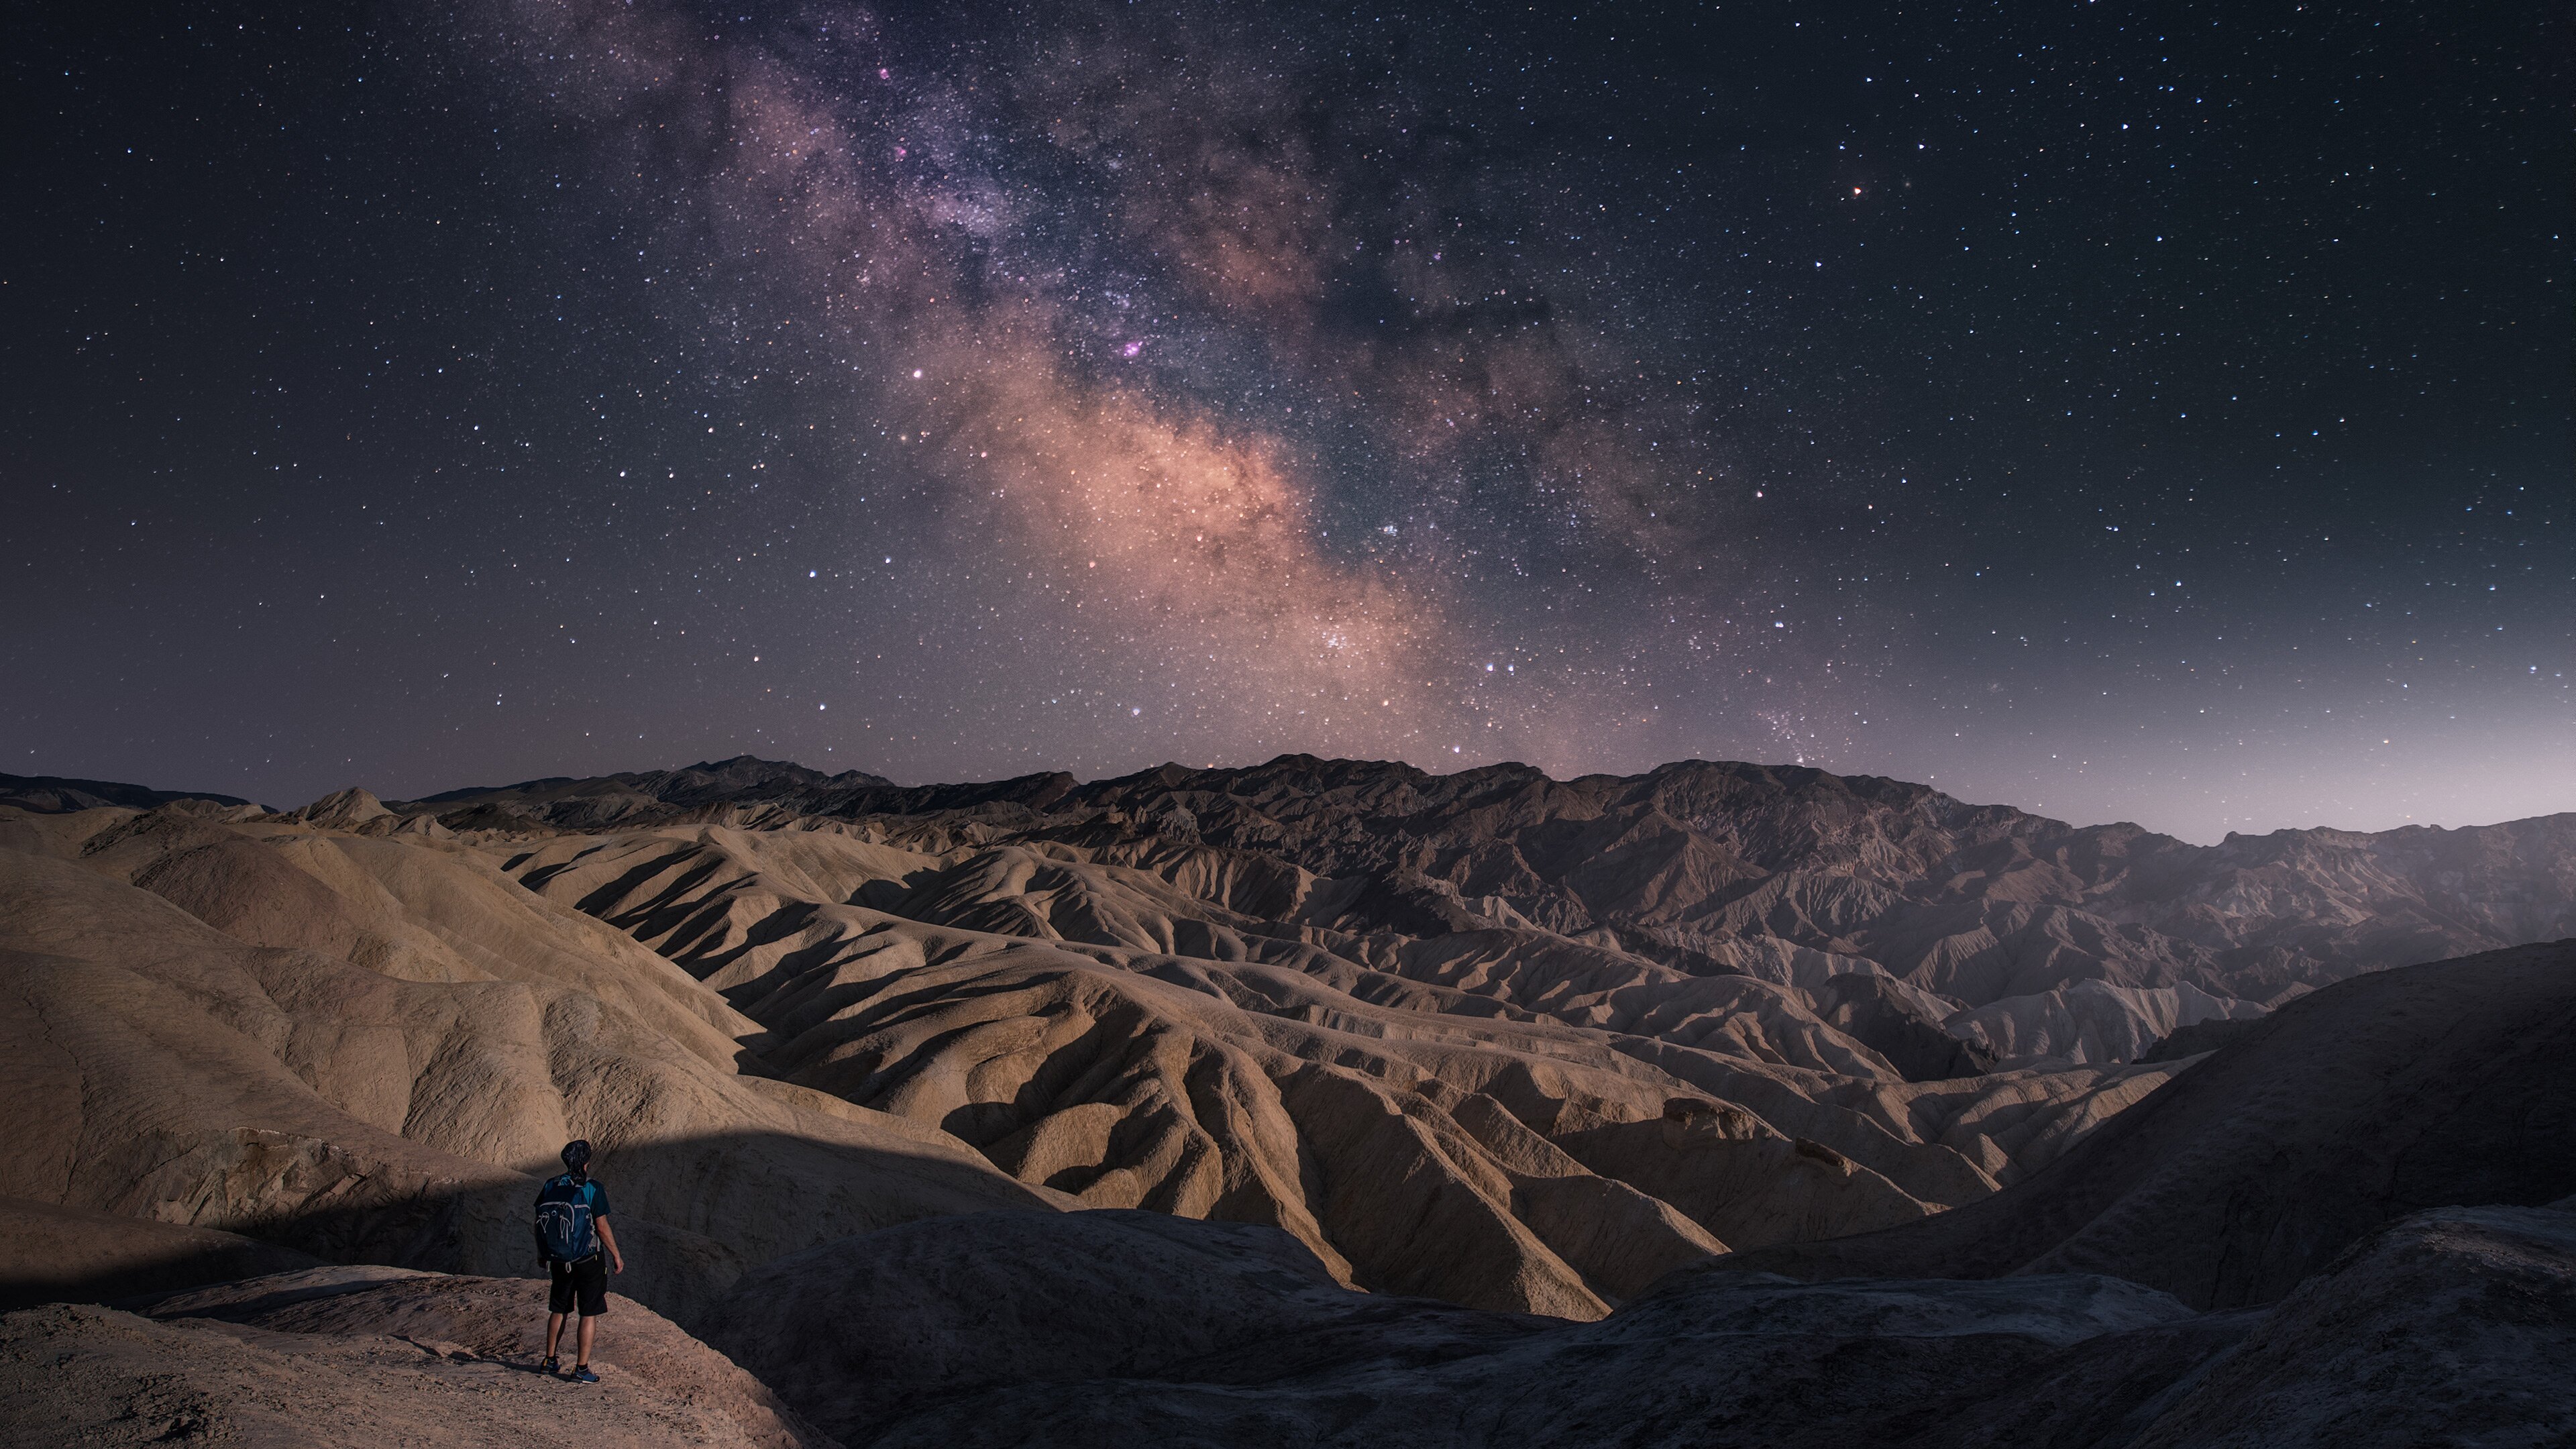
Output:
(2145, 412)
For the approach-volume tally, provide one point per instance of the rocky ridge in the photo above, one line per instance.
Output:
(1715, 866)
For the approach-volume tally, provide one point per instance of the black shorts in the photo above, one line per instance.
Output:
(586, 1281)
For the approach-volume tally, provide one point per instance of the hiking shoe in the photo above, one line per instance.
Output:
(584, 1376)
(550, 1365)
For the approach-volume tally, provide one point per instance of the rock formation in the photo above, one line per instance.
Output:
(1321, 1102)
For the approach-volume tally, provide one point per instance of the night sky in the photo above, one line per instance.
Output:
(2123, 412)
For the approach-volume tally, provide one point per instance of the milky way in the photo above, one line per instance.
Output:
(1051, 315)
(2139, 414)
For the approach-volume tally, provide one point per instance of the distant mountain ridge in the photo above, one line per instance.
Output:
(55, 794)
(2023, 937)
(708, 781)
(1689, 862)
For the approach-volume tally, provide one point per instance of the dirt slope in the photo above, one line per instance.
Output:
(50, 1253)
(2382, 1095)
(347, 1356)
(1112, 1329)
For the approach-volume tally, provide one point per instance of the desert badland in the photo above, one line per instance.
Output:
(1323, 1102)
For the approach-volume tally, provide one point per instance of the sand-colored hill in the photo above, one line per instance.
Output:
(2383, 1095)
(258, 1079)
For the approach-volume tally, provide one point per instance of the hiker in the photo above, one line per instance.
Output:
(572, 1228)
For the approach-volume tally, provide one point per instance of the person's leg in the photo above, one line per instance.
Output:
(560, 1301)
(591, 1277)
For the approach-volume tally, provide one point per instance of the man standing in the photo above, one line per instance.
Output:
(572, 1228)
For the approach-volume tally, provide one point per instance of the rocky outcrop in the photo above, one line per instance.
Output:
(346, 809)
(380, 1355)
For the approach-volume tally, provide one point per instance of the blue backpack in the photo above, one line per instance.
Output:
(566, 1229)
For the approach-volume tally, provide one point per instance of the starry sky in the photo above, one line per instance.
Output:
(2149, 412)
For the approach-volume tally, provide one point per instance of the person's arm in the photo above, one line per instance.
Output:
(608, 1236)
